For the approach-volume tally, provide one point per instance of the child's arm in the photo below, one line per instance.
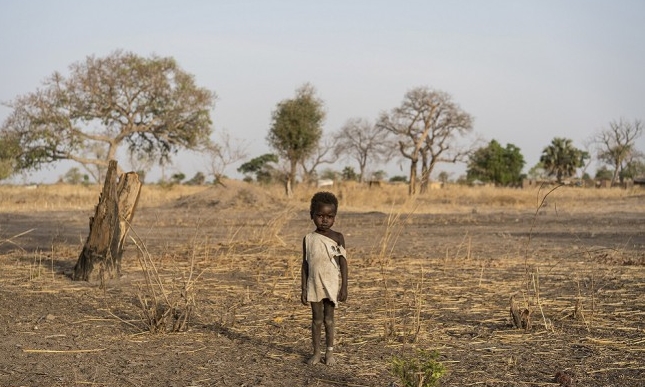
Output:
(304, 274)
(342, 295)
(342, 262)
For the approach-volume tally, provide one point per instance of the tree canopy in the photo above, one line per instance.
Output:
(561, 159)
(149, 104)
(9, 151)
(296, 128)
(495, 164)
(260, 166)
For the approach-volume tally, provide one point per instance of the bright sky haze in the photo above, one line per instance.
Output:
(527, 71)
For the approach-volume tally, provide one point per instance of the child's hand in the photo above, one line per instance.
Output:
(303, 297)
(342, 295)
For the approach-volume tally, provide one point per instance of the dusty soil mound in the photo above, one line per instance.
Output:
(233, 195)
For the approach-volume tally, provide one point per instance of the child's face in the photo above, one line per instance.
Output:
(324, 216)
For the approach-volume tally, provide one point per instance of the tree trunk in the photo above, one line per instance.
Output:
(424, 173)
(412, 187)
(291, 179)
(101, 255)
(288, 190)
(361, 166)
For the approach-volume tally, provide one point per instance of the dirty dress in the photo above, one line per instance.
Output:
(324, 273)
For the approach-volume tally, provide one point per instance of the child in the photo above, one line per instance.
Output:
(323, 260)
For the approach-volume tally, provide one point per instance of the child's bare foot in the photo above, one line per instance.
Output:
(315, 359)
(330, 360)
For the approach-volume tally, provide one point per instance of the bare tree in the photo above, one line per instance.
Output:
(427, 125)
(325, 153)
(441, 145)
(364, 142)
(223, 153)
(616, 145)
(586, 148)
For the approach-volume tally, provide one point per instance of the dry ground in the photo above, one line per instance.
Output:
(436, 273)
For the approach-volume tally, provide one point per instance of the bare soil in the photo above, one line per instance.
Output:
(438, 282)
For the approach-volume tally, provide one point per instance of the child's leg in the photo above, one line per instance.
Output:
(316, 327)
(329, 331)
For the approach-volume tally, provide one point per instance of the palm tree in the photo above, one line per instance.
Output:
(561, 158)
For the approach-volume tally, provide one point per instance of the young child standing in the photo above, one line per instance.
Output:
(323, 262)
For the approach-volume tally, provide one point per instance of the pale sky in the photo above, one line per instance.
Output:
(527, 71)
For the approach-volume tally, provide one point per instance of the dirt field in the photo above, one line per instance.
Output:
(437, 279)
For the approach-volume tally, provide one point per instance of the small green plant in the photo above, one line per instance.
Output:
(421, 370)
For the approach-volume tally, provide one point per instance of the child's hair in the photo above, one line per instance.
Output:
(322, 198)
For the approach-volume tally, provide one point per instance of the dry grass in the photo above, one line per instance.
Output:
(588, 315)
(62, 197)
(448, 306)
(352, 196)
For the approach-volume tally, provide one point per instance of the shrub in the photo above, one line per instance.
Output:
(421, 370)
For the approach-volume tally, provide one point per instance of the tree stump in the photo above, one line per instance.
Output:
(100, 258)
(521, 319)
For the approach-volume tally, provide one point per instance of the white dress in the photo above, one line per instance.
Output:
(324, 272)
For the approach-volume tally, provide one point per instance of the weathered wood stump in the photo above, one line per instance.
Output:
(100, 258)
(521, 318)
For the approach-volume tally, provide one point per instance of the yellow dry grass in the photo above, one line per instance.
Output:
(61, 197)
(352, 196)
(455, 302)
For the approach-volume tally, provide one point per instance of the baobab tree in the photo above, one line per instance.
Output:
(441, 145)
(427, 126)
